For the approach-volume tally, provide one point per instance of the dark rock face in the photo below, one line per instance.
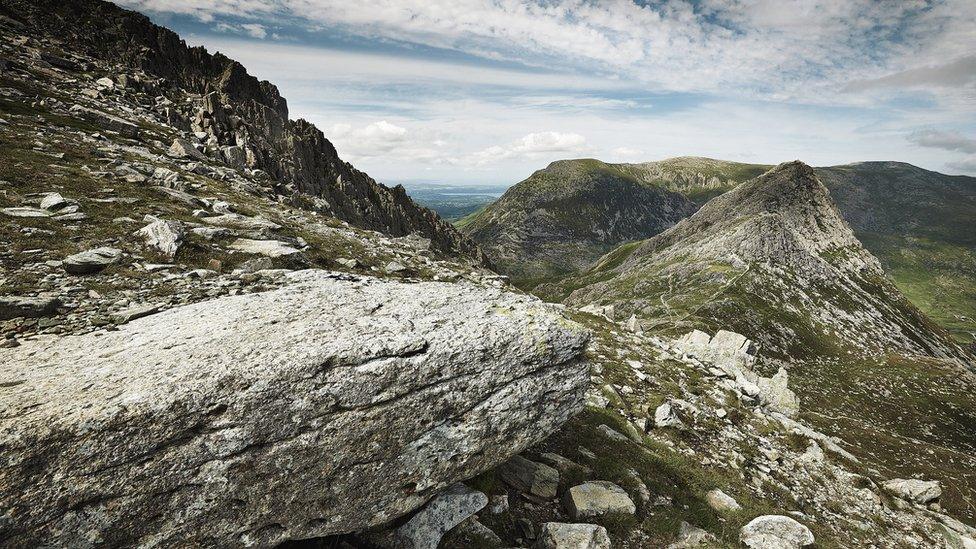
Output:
(235, 110)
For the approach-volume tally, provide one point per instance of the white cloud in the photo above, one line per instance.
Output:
(966, 165)
(251, 29)
(946, 140)
(532, 146)
(808, 49)
(624, 154)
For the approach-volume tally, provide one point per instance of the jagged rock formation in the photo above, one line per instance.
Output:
(330, 405)
(241, 119)
(772, 259)
(563, 217)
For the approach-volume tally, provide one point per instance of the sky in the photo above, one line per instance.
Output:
(488, 91)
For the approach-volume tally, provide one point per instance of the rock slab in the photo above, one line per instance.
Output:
(597, 498)
(558, 535)
(332, 404)
(448, 509)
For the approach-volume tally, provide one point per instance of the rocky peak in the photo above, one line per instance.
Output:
(214, 96)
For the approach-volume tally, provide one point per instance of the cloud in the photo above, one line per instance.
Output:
(946, 140)
(967, 165)
(252, 29)
(809, 49)
(958, 73)
(621, 154)
(532, 146)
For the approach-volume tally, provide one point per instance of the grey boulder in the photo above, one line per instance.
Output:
(536, 480)
(27, 306)
(164, 235)
(332, 404)
(91, 261)
(914, 490)
(775, 532)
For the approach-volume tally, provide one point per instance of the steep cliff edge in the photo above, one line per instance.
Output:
(242, 117)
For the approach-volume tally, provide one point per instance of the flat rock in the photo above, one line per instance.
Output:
(25, 211)
(182, 148)
(269, 248)
(91, 261)
(356, 400)
(597, 498)
(425, 529)
(53, 201)
(775, 532)
(690, 536)
(134, 312)
(559, 535)
(914, 490)
(28, 306)
(237, 221)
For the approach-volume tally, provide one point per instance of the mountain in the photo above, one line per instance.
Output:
(916, 222)
(229, 108)
(562, 217)
(776, 243)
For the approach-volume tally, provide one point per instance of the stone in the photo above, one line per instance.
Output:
(775, 532)
(182, 148)
(534, 479)
(776, 395)
(106, 120)
(91, 261)
(267, 248)
(181, 196)
(347, 263)
(25, 211)
(135, 312)
(425, 529)
(612, 434)
(498, 504)
(166, 236)
(355, 399)
(720, 501)
(478, 535)
(665, 416)
(234, 157)
(395, 267)
(692, 536)
(106, 83)
(559, 535)
(597, 498)
(914, 490)
(53, 202)
(14, 306)
(243, 222)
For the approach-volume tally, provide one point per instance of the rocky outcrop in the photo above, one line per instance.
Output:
(775, 532)
(233, 109)
(332, 404)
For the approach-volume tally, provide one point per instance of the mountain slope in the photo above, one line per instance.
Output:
(564, 216)
(214, 95)
(774, 244)
(918, 223)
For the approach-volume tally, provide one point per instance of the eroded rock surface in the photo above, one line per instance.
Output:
(352, 400)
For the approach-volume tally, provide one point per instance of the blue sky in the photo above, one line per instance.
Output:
(487, 91)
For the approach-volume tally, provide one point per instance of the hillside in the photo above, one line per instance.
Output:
(915, 221)
(562, 217)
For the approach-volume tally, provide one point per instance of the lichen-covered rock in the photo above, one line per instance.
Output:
(166, 236)
(425, 529)
(332, 404)
(533, 479)
(775, 532)
(597, 498)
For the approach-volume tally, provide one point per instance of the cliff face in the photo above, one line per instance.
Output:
(213, 94)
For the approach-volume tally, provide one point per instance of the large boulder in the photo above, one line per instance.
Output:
(332, 404)
(775, 532)
(91, 261)
(164, 235)
(14, 306)
(914, 490)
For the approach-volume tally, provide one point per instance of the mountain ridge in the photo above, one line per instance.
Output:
(236, 110)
